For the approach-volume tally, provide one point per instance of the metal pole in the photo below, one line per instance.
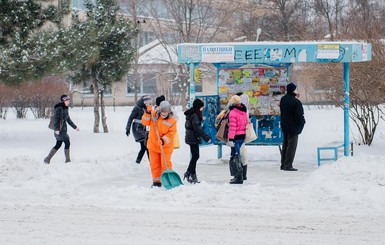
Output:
(192, 84)
(346, 109)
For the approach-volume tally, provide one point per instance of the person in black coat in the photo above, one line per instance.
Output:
(292, 123)
(193, 137)
(61, 118)
(139, 130)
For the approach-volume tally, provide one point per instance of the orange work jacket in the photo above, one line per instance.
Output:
(167, 128)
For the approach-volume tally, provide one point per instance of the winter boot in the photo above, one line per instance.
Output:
(67, 155)
(237, 180)
(156, 184)
(194, 179)
(138, 160)
(50, 155)
(187, 176)
(244, 172)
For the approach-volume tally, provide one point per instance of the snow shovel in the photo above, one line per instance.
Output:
(169, 178)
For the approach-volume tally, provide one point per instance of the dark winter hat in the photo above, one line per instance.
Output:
(64, 97)
(198, 103)
(159, 99)
(164, 106)
(291, 87)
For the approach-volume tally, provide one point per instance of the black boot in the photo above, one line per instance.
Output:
(138, 160)
(244, 172)
(237, 180)
(156, 184)
(187, 176)
(194, 179)
(231, 162)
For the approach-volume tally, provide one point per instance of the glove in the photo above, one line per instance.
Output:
(230, 143)
(128, 133)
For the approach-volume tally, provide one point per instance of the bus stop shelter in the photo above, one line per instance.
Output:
(261, 70)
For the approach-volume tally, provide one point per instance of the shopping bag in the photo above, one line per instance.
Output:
(176, 141)
(250, 133)
(223, 130)
(223, 114)
(235, 165)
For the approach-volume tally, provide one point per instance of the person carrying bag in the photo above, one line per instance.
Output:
(238, 120)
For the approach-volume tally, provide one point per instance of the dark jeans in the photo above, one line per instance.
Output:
(60, 142)
(289, 148)
(143, 149)
(194, 150)
(237, 148)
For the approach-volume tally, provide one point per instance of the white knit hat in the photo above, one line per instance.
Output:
(244, 99)
(165, 106)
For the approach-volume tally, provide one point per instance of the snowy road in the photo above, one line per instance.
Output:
(30, 224)
(115, 210)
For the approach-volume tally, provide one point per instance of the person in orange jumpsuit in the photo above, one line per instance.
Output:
(163, 119)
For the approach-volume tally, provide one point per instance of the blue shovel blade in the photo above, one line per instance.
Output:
(170, 179)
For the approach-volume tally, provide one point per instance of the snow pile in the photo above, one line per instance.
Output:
(355, 183)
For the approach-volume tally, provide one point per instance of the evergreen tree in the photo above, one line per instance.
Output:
(99, 50)
(25, 50)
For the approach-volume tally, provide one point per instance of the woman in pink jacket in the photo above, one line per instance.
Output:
(238, 120)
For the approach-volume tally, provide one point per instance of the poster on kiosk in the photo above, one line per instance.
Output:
(265, 84)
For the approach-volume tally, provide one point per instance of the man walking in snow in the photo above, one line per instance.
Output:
(292, 123)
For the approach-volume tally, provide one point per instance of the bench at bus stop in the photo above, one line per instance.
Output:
(336, 148)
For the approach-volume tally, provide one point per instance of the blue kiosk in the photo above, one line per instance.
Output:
(261, 70)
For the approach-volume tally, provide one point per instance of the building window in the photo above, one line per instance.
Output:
(146, 83)
(149, 83)
(88, 89)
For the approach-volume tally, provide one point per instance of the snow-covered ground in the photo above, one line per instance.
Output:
(104, 197)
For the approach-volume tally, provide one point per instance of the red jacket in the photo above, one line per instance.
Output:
(238, 120)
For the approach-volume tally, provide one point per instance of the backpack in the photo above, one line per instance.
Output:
(51, 124)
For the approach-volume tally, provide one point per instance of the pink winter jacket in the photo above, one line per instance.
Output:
(238, 120)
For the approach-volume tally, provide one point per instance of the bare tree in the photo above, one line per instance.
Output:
(5, 99)
(367, 87)
(185, 21)
(133, 8)
(283, 20)
(330, 11)
(43, 94)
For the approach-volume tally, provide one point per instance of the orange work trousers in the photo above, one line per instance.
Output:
(157, 165)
